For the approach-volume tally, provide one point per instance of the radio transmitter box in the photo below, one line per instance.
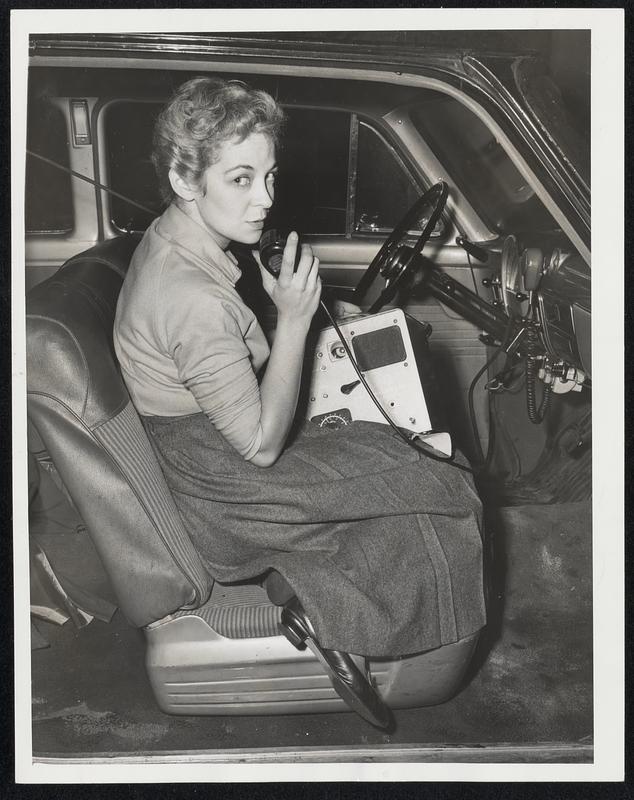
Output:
(382, 347)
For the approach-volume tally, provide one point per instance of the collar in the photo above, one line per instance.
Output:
(176, 226)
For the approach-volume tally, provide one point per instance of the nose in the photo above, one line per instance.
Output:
(264, 195)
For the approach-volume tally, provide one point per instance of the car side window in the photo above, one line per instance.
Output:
(385, 191)
(336, 175)
(129, 128)
(312, 185)
(48, 206)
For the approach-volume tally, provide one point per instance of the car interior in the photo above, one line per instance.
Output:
(417, 202)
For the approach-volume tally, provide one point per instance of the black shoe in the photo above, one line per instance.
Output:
(347, 679)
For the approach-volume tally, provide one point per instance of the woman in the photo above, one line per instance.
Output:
(380, 546)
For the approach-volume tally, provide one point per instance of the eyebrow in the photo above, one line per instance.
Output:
(248, 167)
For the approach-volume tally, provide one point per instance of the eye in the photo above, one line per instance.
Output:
(242, 180)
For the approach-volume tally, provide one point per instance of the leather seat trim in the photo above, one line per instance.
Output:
(96, 260)
(96, 426)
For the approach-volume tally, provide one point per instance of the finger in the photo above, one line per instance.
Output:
(305, 265)
(318, 288)
(313, 273)
(268, 281)
(288, 259)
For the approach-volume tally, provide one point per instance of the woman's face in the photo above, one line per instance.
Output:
(237, 191)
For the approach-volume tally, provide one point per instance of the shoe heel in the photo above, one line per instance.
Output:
(289, 627)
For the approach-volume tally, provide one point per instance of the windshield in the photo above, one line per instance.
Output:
(479, 165)
(562, 113)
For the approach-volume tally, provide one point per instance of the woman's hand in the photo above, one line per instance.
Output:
(295, 294)
(342, 309)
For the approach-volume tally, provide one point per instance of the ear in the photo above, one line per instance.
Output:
(181, 186)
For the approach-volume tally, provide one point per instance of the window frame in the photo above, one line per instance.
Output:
(414, 176)
(103, 165)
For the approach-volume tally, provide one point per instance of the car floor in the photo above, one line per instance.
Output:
(530, 682)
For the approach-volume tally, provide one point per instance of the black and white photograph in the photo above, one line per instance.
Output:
(317, 394)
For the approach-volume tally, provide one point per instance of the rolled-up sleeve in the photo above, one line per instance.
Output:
(207, 345)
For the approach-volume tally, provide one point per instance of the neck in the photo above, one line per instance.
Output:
(191, 209)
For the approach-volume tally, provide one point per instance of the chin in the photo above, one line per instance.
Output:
(252, 237)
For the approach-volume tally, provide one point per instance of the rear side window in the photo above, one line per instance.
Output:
(129, 127)
(48, 206)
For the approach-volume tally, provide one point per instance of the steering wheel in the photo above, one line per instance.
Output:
(394, 259)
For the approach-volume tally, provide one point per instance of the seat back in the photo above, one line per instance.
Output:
(79, 406)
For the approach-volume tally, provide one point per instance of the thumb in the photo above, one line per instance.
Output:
(268, 281)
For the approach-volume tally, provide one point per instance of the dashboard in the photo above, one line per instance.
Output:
(554, 282)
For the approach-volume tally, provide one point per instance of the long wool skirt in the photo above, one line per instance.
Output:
(381, 544)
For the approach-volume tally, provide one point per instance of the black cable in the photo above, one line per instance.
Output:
(485, 462)
(474, 425)
(473, 277)
(410, 437)
(517, 382)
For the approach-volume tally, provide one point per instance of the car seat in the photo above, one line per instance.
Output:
(211, 648)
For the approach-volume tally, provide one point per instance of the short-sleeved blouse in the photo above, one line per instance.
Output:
(184, 338)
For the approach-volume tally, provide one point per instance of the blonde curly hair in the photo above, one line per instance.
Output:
(203, 114)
